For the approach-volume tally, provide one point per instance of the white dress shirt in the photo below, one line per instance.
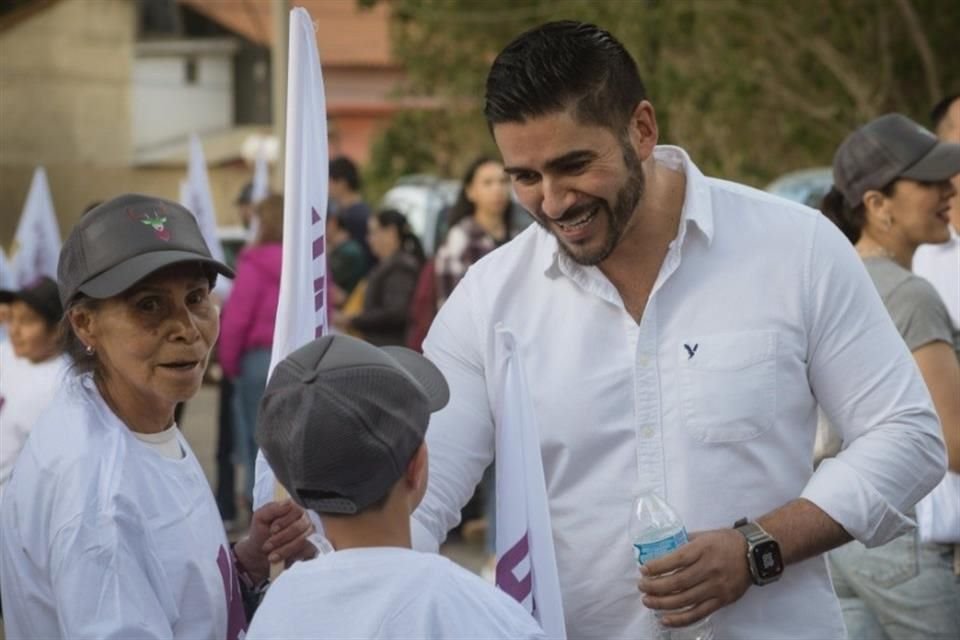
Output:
(761, 310)
(940, 264)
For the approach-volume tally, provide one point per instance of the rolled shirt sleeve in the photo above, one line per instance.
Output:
(869, 387)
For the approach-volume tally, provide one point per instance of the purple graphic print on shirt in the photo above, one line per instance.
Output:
(236, 618)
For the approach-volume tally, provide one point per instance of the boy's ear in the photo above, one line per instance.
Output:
(416, 475)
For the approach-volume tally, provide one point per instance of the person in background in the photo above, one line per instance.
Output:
(109, 527)
(226, 470)
(347, 258)
(247, 210)
(342, 425)
(31, 366)
(479, 223)
(940, 263)
(345, 193)
(390, 285)
(891, 194)
(246, 339)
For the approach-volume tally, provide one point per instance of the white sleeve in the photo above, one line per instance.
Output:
(460, 438)
(105, 584)
(870, 389)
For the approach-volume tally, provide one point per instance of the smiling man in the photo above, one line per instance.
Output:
(678, 332)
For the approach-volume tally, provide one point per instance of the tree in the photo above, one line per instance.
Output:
(751, 88)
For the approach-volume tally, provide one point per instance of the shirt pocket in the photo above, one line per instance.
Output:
(728, 385)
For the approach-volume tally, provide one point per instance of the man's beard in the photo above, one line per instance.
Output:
(618, 217)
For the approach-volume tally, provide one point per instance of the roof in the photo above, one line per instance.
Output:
(346, 34)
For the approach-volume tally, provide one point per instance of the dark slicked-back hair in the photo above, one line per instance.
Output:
(939, 111)
(560, 65)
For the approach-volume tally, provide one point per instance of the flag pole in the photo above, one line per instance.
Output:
(302, 310)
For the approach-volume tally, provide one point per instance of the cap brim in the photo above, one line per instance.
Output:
(425, 373)
(122, 276)
(941, 163)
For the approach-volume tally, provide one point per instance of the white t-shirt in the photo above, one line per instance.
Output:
(103, 537)
(940, 264)
(387, 592)
(25, 391)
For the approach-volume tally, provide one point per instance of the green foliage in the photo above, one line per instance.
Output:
(751, 88)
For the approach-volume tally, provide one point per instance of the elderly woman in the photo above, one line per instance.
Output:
(110, 529)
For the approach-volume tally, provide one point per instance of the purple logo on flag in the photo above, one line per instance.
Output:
(507, 581)
(319, 284)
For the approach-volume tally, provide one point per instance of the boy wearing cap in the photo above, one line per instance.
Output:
(31, 365)
(342, 425)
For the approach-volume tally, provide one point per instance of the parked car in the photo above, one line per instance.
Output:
(422, 199)
(806, 186)
(426, 201)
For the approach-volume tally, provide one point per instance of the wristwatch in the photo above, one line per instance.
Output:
(763, 552)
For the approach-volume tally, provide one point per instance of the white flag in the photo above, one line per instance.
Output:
(200, 198)
(260, 187)
(7, 280)
(37, 240)
(526, 563)
(302, 312)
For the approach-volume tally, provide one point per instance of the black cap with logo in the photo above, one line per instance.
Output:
(890, 147)
(124, 240)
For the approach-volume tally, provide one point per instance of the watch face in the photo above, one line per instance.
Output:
(767, 560)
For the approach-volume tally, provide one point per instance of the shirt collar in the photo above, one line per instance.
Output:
(697, 209)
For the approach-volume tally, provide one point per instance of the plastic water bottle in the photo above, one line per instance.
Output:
(656, 530)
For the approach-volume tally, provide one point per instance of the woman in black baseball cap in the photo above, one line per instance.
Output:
(891, 194)
(110, 527)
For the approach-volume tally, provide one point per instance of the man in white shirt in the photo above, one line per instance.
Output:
(678, 333)
(342, 425)
(940, 263)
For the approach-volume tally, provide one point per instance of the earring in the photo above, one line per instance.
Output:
(89, 350)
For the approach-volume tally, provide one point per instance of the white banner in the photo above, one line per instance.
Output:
(36, 244)
(302, 312)
(200, 198)
(526, 562)
(260, 187)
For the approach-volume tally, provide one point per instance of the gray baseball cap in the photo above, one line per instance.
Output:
(340, 420)
(124, 240)
(890, 147)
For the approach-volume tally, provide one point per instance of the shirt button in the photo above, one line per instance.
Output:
(647, 432)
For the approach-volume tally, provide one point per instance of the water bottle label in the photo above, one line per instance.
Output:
(651, 550)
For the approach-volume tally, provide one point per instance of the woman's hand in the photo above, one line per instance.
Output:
(278, 532)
